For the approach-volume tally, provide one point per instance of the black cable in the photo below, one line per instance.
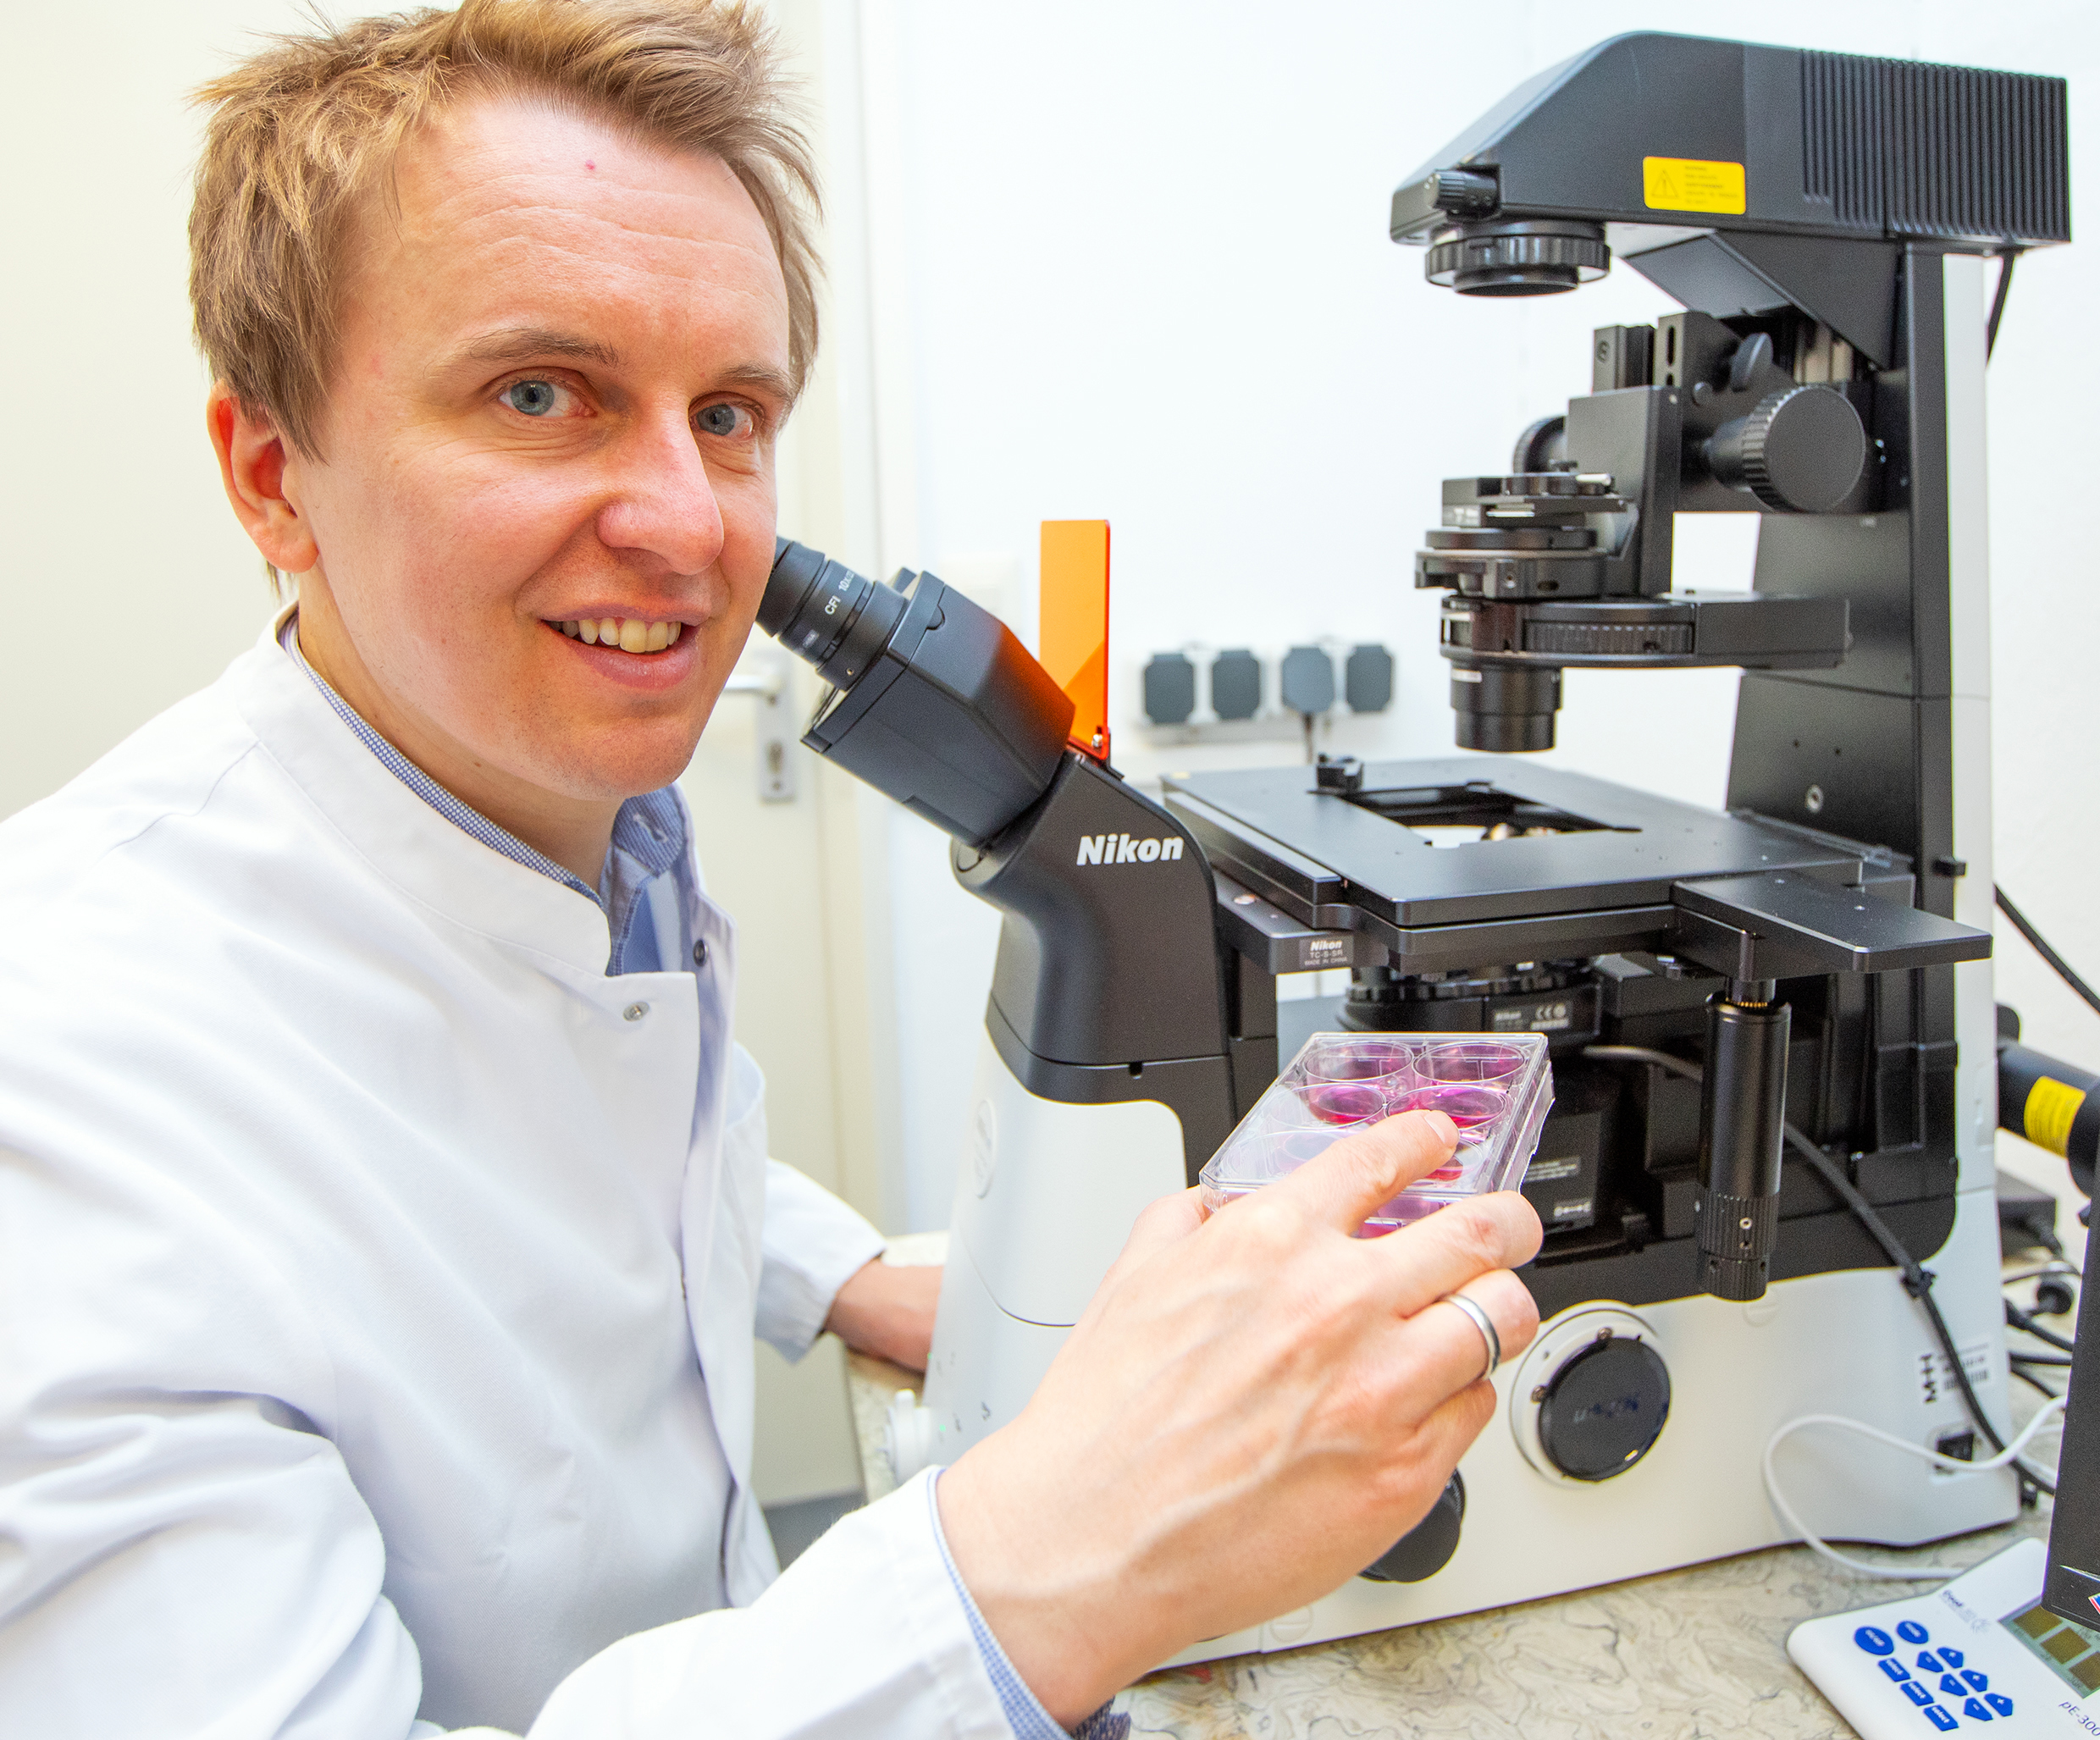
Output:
(2026, 1325)
(2042, 948)
(2040, 1359)
(1917, 1281)
(1997, 302)
(2034, 1383)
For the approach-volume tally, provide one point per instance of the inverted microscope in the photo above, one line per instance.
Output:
(1771, 1026)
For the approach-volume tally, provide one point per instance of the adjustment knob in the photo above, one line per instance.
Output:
(1799, 452)
(1427, 1547)
(1604, 1409)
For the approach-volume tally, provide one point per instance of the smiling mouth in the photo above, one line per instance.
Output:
(630, 634)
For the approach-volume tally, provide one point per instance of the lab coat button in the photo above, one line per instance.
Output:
(699, 953)
(635, 1011)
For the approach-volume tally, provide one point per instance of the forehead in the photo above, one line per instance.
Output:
(512, 210)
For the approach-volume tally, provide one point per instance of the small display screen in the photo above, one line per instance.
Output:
(2072, 1652)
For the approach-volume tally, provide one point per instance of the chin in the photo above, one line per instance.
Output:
(625, 769)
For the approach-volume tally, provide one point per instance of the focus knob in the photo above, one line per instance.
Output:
(1604, 1409)
(1799, 452)
(1427, 1547)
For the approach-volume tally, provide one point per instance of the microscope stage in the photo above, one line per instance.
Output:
(1478, 858)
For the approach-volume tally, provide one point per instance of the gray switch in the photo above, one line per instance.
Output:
(1308, 680)
(1367, 679)
(1235, 684)
(1169, 689)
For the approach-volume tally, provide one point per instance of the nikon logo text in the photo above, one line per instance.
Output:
(1121, 849)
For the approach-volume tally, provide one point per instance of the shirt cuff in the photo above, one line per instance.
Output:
(1023, 1710)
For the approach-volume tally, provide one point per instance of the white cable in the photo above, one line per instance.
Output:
(2045, 1416)
(2058, 1267)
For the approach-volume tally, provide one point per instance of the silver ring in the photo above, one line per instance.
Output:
(1481, 1322)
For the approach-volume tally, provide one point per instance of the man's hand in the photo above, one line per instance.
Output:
(886, 1309)
(1250, 1411)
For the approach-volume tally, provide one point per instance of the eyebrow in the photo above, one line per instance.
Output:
(761, 378)
(513, 343)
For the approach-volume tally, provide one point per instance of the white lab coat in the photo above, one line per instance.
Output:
(357, 1236)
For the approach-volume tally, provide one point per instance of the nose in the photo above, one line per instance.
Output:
(663, 505)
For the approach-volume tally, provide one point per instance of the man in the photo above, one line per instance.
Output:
(385, 1205)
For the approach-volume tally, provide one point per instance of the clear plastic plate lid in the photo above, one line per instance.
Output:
(1496, 1090)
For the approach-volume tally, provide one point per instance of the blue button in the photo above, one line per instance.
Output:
(1974, 1711)
(1941, 1718)
(1875, 1642)
(1912, 1633)
(2000, 1702)
(1928, 1663)
(1915, 1692)
(1951, 1656)
(1977, 1681)
(1895, 1669)
(1949, 1684)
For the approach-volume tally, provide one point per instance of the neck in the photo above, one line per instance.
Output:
(575, 833)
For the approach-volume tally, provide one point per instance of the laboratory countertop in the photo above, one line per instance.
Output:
(1691, 1654)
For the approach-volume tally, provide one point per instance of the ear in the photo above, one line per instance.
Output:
(252, 463)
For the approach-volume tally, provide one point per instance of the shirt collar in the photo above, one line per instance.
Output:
(649, 836)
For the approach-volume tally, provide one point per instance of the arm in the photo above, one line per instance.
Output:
(823, 1270)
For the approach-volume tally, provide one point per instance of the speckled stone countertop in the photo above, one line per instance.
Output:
(1692, 1655)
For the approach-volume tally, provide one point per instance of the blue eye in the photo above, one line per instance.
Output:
(532, 398)
(726, 420)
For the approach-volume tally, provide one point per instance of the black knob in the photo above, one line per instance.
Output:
(1427, 1547)
(1799, 452)
(1465, 193)
(1604, 1408)
(1340, 773)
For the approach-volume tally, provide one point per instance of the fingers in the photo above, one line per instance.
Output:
(1370, 1168)
(1445, 1351)
(1457, 1244)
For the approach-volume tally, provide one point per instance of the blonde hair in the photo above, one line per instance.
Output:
(303, 134)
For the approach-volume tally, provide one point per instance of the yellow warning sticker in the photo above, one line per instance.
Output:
(2052, 1108)
(1692, 184)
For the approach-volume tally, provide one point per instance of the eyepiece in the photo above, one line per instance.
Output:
(932, 700)
(824, 613)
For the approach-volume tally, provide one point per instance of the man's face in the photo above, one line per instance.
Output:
(562, 368)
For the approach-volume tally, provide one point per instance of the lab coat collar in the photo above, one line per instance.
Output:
(429, 858)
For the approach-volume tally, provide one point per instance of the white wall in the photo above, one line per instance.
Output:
(114, 521)
(1148, 278)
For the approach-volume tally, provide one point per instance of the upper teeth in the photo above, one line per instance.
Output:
(631, 634)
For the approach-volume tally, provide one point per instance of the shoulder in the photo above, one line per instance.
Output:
(170, 769)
